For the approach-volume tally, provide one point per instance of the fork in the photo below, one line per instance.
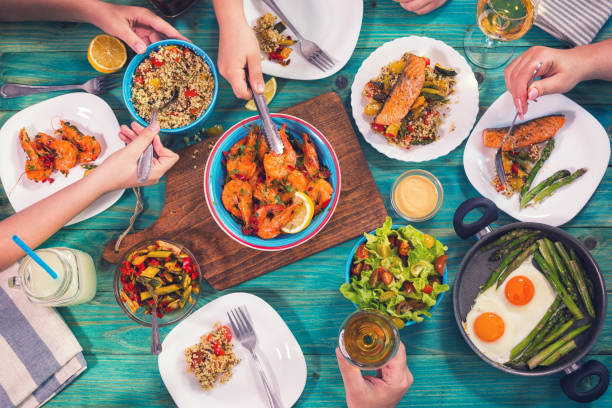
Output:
(97, 86)
(499, 163)
(311, 51)
(241, 324)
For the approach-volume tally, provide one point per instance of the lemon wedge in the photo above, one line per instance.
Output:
(106, 54)
(269, 92)
(303, 216)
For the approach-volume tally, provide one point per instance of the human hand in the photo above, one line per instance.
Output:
(561, 70)
(119, 169)
(420, 6)
(373, 392)
(136, 26)
(239, 54)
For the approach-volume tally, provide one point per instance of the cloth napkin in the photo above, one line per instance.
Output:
(39, 354)
(575, 22)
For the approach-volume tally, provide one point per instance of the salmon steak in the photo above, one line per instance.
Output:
(404, 92)
(525, 134)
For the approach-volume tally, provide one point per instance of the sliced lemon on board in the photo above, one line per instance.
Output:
(106, 54)
(303, 216)
(269, 92)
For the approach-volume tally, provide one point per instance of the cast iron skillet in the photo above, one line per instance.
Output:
(475, 270)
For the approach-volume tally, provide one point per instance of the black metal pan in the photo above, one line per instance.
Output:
(475, 270)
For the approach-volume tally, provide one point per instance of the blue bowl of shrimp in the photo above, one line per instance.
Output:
(134, 72)
(264, 190)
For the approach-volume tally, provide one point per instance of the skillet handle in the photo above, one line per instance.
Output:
(467, 230)
(569, 383)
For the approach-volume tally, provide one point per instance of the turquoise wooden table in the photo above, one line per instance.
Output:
(121, 372)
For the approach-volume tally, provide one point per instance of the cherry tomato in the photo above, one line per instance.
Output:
(190, 93)
(408, 287)
(157, 62)
(403, 248)
(227, 333)
(218, 350)
(362, 252)
(515, 168)
(427, 61)
(427, 289)
(196, 359)
(385, 276)
(378, 128)
(429, 241)
(139, 80)
(440, 264)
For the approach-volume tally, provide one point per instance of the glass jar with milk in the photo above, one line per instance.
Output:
(75, 283)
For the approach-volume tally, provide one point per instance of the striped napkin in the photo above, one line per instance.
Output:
(40, 355)
(575, 22)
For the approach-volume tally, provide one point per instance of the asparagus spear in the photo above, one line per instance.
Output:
(543, 157)
(516, 263)
(562, 271)
(500, 268)
(556, 185)
(525, 199)
(543, 248)
(504, 238)
(505, 250)
(563, 350)
(585, 277)
(554, 335)
(525, 342)
(548, 351)
(579, 280)
(554, 281)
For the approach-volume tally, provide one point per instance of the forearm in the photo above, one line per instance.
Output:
(596, 57)
(229, 13)
(39, 221)
(49, 10)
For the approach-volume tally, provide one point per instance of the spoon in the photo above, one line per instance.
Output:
(151, 285)
(270, 131)
(145, 161)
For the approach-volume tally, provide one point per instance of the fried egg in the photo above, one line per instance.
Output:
(501, 317)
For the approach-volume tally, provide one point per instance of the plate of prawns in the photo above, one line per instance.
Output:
(254, 194)
(54, 143)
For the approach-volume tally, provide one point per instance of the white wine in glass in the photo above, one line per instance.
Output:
(500, 21)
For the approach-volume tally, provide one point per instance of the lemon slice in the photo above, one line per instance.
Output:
(269, 92)
(106, 54)
(303, 216)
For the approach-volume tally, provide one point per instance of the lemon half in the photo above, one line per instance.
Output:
(106, 54)
(303, 216)
(269, 92)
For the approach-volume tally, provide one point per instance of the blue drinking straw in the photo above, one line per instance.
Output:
(35, 257)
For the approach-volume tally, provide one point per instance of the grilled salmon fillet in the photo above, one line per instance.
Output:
(404, 92)
(525, 134)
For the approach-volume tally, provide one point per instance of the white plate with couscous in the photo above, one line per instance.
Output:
(277, 349)
(457, 115)
(332, 25)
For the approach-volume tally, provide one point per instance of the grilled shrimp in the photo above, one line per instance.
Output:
(64, 152)
(241, 162)
(37, 167)
(311, 159)
(297, 180)
(278, 166)
(237, 198)
(269, 219)
(89, 148)
(320, 192)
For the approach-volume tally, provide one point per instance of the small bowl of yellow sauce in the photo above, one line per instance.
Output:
(417, 195)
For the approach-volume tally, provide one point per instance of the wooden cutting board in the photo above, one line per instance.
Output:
(186, 219)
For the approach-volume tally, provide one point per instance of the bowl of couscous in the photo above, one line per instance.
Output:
(171, 67)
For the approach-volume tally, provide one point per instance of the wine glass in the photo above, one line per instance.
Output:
(368, 339)
(500, 21)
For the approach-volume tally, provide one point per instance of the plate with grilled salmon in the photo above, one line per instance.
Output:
(553, 161)
(414, 99)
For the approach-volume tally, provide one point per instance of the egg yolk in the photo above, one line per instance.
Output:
(489, 327)
(519, 290)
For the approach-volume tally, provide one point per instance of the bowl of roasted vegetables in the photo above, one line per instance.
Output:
(162, 271)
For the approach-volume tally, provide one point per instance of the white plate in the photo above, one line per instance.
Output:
(332, 25)
(463, 106)
(90, 114)
(278, 350)
(581, 142)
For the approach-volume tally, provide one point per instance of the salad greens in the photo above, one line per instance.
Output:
(398, 272)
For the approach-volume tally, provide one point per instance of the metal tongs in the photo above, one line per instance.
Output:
(270, 131)
(499, 164)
